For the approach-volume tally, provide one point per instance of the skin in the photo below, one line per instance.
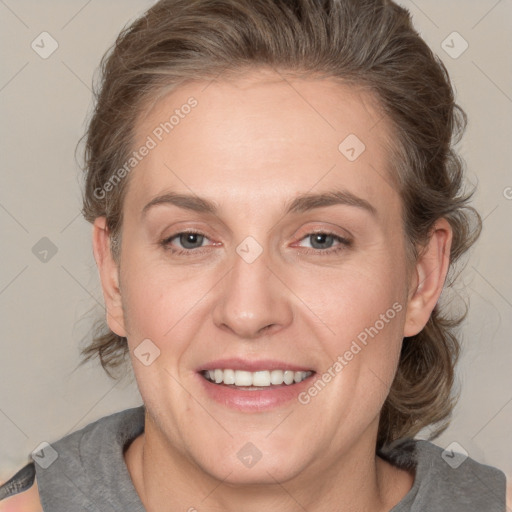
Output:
(251, 145)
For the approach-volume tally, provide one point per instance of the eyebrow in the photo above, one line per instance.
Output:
(301, 204)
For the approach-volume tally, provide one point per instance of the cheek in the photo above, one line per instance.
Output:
(364, 306)
(354, 295)
(159, 300)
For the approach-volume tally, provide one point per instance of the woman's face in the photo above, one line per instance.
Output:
(254, 288)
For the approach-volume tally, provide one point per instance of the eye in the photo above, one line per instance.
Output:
(321, 242)
(189, 241)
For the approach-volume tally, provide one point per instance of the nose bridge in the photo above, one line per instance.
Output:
(252, 298)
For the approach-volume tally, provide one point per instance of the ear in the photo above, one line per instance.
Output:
(428, 278)
(109, 275)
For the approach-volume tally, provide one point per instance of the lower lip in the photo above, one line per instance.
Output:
(256, 400)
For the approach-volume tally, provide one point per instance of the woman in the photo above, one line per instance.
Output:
(276, 205)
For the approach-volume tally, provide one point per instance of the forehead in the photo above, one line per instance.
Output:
(262, 136)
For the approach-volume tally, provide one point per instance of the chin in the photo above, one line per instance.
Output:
(235, 474)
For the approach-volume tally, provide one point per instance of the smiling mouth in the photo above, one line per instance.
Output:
(255, 380)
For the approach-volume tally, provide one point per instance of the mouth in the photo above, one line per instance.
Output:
(253, 386)
(262, 379)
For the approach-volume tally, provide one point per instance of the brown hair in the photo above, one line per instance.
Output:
(369, 43)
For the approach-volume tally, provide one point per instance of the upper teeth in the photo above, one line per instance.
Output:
(261, 378)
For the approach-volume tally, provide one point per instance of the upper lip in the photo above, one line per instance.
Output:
(252, 365)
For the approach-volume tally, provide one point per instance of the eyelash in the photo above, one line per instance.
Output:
(344, 244)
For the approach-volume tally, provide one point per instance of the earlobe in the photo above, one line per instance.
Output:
(109, 276)
(428, 278)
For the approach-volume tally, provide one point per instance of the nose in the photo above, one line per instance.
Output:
(253, 300)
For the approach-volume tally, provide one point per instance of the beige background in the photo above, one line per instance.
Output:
(44, 306)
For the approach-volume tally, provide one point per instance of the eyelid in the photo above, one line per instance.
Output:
(335, 231)
(324, 232)
(343, 242)
(166, 240)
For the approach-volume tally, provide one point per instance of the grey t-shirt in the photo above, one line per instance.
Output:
(89, 473)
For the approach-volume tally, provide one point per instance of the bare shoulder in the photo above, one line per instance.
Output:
(26, 501)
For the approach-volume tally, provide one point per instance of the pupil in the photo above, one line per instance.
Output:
(320, 238)
(189, 238)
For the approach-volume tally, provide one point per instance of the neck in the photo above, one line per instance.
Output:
(357, 481)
